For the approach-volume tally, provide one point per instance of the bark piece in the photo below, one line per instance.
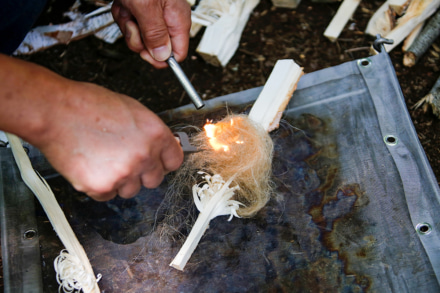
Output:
(344, 13)
(423, 41)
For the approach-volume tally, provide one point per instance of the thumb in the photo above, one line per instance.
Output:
(155, 34)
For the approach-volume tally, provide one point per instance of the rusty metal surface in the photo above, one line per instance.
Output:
(352, 188)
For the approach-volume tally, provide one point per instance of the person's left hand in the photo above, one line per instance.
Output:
(155, 28)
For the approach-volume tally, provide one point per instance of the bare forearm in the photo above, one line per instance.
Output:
(103, 142)
(28, 95)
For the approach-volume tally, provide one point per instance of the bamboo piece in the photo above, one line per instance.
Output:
(423, 41)
(417, 12)
(432, 99)
(412, 36)
(275, 96)
(286, 3)
(344, 13)
(382, 21)
(399, 6)
(81, 274)
(221, 39)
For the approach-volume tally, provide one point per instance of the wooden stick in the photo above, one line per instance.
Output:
(276, 94)
(221, 39)
(432, 99)
(423, 41)
(340, 19)
(56, 216)
(399, 6)
(267, 111)
(412, 36)
(417, 12)
(207, 213)
(286, 3)
(382, 21)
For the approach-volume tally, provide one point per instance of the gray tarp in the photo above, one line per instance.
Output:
(354, 210)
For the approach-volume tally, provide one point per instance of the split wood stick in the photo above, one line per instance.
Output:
(382, 21)
(423, 41)
(432, 99)
(417, 12)
(86, 279)
(273, 99)
(412, 36)
(207, 13)
(286, 3)
(207, 213)
(221, 39)
(214, 198)
(344, 13)
(399, 6)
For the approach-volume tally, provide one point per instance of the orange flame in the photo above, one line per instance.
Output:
(211, 131)
(222, 135)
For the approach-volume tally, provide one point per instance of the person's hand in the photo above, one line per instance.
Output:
(106, 143)
(155, 28)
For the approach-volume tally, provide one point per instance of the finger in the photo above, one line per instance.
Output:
(154, 30)
(147, 57)
(102, 196)
(133, 37)
(130, 188)
(153, 178)
(178, 19)
(120, 15)
(172, 156)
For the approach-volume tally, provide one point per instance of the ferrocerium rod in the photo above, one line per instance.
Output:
(195, 98)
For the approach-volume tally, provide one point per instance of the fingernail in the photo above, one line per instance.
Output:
(161, 53)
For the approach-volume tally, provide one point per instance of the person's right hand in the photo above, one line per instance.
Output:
(155, 28)
(106, 143)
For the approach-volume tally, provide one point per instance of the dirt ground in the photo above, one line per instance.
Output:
(270, 34)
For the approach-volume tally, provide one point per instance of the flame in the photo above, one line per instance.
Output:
(211, 130)
(221, 135)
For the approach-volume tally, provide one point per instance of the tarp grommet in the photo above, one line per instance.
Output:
(364, 62)
(423, 228)
(390, 140)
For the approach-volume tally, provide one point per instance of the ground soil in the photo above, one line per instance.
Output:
(270, 34)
